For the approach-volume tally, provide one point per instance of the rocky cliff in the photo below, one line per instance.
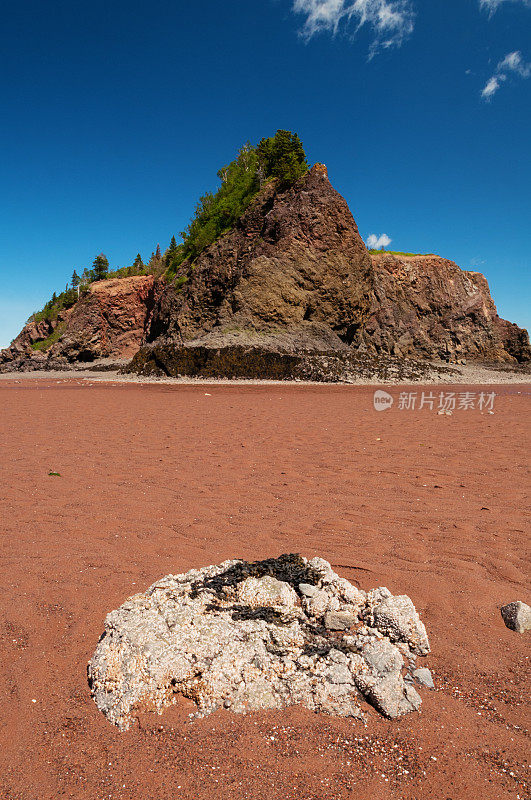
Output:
(289, 291)
(428, 306)
(293, 279)
(294, 270)
(108, 321)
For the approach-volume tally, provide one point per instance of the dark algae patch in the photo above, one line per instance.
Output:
(289, 567)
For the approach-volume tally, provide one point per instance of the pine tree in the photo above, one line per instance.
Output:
(156, 264)
(282, 156)
(171, 252)
(100, 266)
(76, 280)
(138, 263)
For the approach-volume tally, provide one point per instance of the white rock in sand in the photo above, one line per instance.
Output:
(248, 636)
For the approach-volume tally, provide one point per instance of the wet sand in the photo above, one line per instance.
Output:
(158, 478)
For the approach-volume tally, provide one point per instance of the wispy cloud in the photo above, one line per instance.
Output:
(491, 87)
(377, 242)
(512, 64)
(391, 21)
(492, 5)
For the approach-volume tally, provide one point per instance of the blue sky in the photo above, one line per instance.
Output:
(117, 116)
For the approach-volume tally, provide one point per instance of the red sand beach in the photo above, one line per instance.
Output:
(157, 479)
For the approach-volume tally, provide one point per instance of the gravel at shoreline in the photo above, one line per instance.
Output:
(469, 374)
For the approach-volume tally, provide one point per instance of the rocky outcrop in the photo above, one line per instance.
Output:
(266, 360)
(289, 292)
(294, 271)
(250, 636)
(293, 279)
(515, 340)
(427, 306)
(108, 321)
(32, 333)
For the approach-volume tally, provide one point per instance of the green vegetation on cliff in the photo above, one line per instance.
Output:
(54, 337)
(100, 271)
(280, 157)
(374, 252)
(56, 304)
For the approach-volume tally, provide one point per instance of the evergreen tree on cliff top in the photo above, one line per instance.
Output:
(171, 252)
(100, 266)
(282, 156)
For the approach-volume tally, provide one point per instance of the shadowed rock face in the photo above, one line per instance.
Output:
(292, 282)
(293, 267)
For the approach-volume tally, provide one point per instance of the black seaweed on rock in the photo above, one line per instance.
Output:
(289, 567)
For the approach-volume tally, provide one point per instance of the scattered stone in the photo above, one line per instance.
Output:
(424, 677)
(517, 616)
(245, 636)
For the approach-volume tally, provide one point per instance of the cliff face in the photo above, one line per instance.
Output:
(292, 277)
(294, 269)
(427, 306)
(108, 321)
(31, 333)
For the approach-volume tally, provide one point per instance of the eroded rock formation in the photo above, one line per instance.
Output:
(428, 306)
(109, 321)
(289, 289)
(294, 278)
(267, 634)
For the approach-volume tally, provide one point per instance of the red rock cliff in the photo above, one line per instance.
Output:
(428, 306)
(109, 320)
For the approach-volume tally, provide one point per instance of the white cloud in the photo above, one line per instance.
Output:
(377, 242)
(490, 88)
(391, 21)
(512, 63)
(492, 5)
